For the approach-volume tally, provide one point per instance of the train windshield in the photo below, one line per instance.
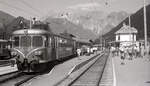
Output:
(16, 43)
(37, 41)
(25, 41)
(28, 41)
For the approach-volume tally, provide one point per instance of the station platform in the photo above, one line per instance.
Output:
(7, 69)
(59, 72)
(135, 72)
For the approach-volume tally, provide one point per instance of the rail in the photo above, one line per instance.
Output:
(15, 78)
(75, 68)
(98, 72)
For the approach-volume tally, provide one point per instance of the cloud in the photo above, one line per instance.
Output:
(85, 6)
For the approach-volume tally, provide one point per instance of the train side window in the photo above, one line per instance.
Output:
(16, 43)
(62, 42)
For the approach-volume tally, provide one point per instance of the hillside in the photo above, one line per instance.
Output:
(137, 21)
(5, 17)
(15, 24)
(99, 22)
(59, 25)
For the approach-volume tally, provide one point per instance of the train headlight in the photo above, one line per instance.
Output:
(13, 53)
(37, 53)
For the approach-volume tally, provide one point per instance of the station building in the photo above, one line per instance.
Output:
(126, 36)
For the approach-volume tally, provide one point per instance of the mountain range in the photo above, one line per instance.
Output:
(5, 18)
(59, 25)
(87, 24)
(95, 20)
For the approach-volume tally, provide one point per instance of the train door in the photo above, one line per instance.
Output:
(62, 47)
(56, 46)
(74, 47)
(50, 48)
(53, 52)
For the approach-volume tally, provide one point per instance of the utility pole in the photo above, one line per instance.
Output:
(145, 26)
(30, 23)
(130, 38)
(130, 20)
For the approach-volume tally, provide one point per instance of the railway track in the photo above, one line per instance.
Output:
(90, 75)
(15, 78)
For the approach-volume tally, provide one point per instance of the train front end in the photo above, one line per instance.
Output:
(29, 49)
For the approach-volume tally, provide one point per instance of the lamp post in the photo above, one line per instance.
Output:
(145, 26)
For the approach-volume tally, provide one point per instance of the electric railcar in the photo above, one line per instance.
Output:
(4, 49)
(34, 49)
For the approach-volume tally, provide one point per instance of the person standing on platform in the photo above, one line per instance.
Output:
(142, 51)
(148, 52)
(88, 51)
(91, 50)
(78, 52)
(137, 51)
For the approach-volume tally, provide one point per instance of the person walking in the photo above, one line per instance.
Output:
(130, 52)
(122, 55)
(112, 51)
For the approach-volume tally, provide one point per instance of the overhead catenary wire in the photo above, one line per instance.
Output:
(33, 8)
(30, 6)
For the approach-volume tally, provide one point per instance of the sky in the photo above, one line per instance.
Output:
(42, 8)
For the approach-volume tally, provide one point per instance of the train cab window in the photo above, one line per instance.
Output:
(37, 41)
(16, 42)
(25, 41)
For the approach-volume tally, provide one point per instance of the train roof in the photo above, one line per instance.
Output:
(82, 40)
(30, 31)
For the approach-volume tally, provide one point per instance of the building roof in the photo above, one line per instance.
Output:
(126, 29)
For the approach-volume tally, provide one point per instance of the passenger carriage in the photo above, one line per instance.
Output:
(35, 49)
